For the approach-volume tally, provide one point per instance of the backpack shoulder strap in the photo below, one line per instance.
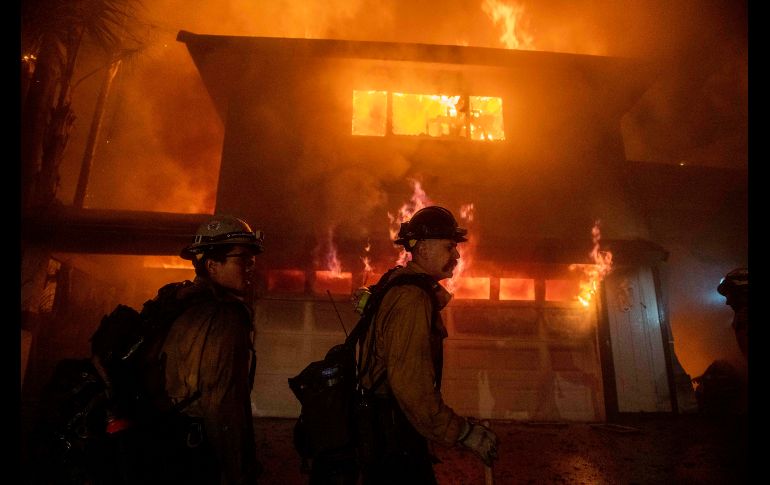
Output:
(421, 280)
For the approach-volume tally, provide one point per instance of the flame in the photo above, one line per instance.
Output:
(466, 250)
(593, 273)
(468, 287)
(367, 263)
(370, 113)
(405, 212)
(428, 114)
(333, 264)
(512, 18)
(479, 118)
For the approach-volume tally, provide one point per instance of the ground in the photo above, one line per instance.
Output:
(684, 449)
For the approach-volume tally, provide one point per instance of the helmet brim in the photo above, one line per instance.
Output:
(190, 251)
(459, 238)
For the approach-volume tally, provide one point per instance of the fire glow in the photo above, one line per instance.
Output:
(479, 118)
(593, 273)
(333, 278)
(471, 287)
(368, 269)
(166, 262)
(461, 284)
(512, 19)
(418, 200)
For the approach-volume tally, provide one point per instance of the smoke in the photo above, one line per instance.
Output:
(162, 138)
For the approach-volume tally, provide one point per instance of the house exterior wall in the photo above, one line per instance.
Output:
(291, 166)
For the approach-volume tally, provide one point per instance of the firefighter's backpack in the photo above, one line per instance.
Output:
(86, 401)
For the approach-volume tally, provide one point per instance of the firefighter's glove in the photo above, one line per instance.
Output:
(480, 440)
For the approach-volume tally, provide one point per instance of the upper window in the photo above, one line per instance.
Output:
(380, 113)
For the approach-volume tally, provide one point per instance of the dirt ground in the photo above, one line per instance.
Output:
(685, 449)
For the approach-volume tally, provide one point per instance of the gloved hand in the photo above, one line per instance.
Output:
(480, 440)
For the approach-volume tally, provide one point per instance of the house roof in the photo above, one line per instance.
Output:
(617, 81)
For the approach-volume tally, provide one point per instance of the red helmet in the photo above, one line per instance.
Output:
(431, 222)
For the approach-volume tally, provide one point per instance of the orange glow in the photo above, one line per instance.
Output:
(370, 113)
(517, 289)
(561, 290)
(286, 280)
(593, 274)
(333, 263)
(418, 201)
(486, 118)
(465, 249)
(429, 115)
(166, 262)
(338, 283)
(367, 264)
(471, 287)
(511, 17)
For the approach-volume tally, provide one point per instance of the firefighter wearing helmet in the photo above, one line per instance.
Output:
(210, 364)
(402, 359)
(221, 231)
(735, 288)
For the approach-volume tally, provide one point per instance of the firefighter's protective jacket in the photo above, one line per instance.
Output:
(209, 348)
(408, 350)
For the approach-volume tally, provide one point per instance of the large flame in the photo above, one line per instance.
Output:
(511, 17)
(593, 273)
(479, 118)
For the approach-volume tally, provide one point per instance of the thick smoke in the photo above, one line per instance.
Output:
(162, 134)
(161, 142)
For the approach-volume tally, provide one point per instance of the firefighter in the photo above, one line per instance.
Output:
(735, 288)
(402, 358)
(209, 367)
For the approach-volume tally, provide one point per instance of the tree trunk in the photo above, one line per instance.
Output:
(93, 135)
(35, 115)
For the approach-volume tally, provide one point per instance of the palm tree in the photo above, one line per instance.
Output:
(53, 32)
(52, 35)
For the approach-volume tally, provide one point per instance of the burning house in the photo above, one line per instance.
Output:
(330, 144)
(561, 301)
